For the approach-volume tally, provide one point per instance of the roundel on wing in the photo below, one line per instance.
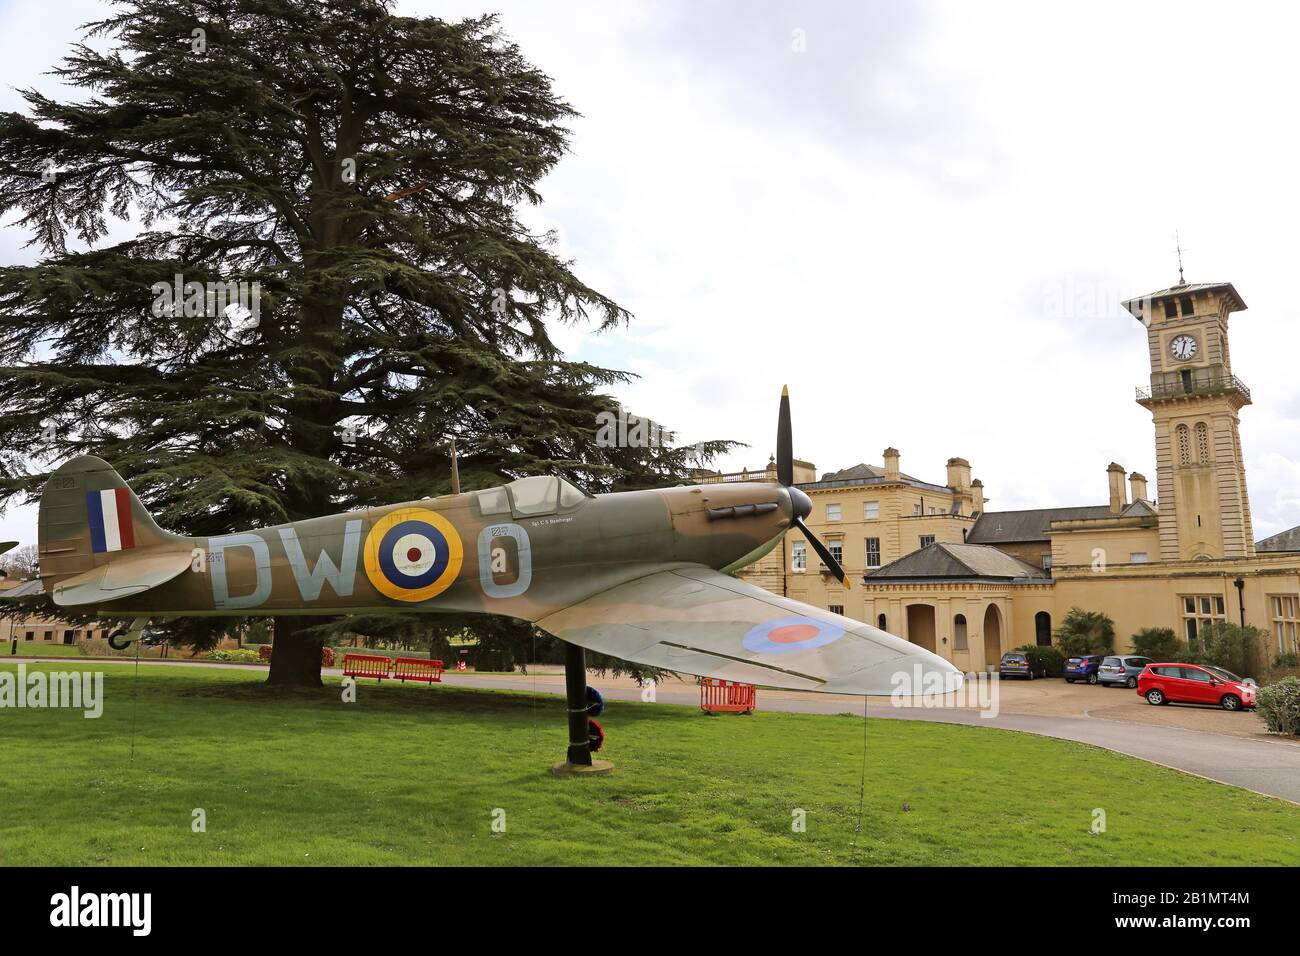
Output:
(413, 554)
(790, 635)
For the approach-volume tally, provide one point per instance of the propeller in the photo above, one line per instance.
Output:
(802, 504)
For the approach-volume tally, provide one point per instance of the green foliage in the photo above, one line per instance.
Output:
(1048, 660)
(1159, 644)
(243, 655)
(399, 307)
(1085, 632)
(1279, 705)
(1239, 649)
(1286, 661)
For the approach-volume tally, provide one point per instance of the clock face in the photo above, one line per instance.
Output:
(1183, 348)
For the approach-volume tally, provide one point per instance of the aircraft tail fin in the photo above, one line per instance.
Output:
(88, 515)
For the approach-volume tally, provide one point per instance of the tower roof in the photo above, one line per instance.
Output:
(1235, 301)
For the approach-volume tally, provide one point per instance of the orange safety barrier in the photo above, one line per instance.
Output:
(366, 665)
(418, 668)
(727, 696)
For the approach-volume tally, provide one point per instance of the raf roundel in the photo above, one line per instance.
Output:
(790, 635)
(413, 554)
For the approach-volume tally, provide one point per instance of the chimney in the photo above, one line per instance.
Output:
(1118, 493)
(891, 462)
(1139, 485)
(959, 474)
(977, 497)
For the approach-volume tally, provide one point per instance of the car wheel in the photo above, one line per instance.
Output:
(1069, 680)
(1031, 675)
(1155, 697)
(1231, 702)
(1132, 682)
(1092, 678)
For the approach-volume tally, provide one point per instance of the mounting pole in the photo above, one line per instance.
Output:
(455, 470)
(575, 686)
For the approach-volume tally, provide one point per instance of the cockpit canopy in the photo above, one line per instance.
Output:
(528, 497)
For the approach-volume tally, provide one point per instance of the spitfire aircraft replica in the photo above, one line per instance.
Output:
(639, 575)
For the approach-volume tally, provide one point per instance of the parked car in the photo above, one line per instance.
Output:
(1196, 684)
(1121, 669)
(1082, 667)
(1019, 664)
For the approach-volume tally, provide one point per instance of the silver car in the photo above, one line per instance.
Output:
(1121, 670)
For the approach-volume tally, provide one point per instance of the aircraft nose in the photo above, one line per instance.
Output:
(800, 503)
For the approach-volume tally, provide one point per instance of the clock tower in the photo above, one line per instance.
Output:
(1194, 399)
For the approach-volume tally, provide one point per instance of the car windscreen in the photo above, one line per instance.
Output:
(1222, 674)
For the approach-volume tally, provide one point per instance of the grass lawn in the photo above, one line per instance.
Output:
(413, 775)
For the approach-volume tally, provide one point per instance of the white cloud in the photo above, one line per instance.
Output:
(922, 223)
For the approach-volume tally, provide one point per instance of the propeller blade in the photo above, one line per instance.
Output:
(824, 553)
(784, 442)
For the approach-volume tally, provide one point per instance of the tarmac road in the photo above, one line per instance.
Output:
(1233, 751)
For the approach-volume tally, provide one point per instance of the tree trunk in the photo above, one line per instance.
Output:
(295, 656)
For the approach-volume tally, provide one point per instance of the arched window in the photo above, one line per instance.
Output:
(1202, 442)
(1184, 444)
(959, 633)
(880, 622)
(1043, 629)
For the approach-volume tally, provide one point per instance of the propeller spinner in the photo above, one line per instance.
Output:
(801, 502)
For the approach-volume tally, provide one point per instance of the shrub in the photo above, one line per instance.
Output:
(1159, 644)
(1085, 632)
(1047, 659)
(1286, 660)
(494, 659)
(1239, 649)
(1279, 705)
(241, 656)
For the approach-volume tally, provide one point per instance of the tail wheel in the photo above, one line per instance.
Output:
(117, 641)
(1155, 696)
(1231, 702)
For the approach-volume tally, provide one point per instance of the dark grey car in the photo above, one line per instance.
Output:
(1016, 664)
(1121, 670)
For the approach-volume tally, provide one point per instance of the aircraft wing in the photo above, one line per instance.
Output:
(121, 578)
(700, 621)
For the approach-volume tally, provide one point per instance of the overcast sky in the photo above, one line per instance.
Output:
(921, 216)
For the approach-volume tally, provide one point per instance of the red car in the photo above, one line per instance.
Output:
(1195, 684)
